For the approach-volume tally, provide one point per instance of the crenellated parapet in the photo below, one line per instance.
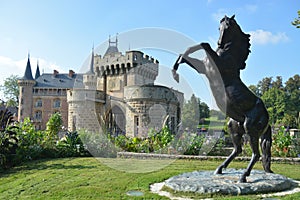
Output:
(117, 63)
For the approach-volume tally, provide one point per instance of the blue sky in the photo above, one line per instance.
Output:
(60, 34)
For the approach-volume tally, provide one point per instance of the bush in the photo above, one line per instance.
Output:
(30, 141)
(281, 142)
(71, 146)
(8, 139)
(156, 141)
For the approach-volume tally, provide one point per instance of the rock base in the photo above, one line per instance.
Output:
(206, 182)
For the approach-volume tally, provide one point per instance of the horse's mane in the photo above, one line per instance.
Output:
(239, 47)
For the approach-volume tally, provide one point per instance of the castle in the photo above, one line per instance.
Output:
(116, 93)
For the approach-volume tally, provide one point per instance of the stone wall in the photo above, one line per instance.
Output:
(150, 107)
(84, 106)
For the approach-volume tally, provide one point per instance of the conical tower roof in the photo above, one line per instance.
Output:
(28, 73)
(91, 69)
(37, 72)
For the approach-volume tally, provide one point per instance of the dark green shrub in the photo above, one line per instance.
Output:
(30, 141)
(8, 139)
(71, 146)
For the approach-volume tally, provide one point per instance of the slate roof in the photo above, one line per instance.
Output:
(59, 81)
(111, 50)
(28, 73)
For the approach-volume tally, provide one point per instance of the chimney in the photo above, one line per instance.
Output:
(71, 73)
(55, 72)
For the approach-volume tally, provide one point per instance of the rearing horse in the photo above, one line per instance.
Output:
(247, 112)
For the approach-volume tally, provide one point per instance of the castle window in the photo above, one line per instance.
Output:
(22, 101)
(136, 125)
(39, 103)
(56, 103)
(135, 57)
(38, 115)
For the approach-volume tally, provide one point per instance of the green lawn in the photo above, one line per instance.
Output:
(87, 178)
(213, 123)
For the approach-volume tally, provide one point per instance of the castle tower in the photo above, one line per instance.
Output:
(26, 84)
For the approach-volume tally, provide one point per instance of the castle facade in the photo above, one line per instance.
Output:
(117, 94)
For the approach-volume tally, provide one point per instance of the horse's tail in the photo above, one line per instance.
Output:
(266, 143)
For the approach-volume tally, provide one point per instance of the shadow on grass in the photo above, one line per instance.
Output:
(42, 165)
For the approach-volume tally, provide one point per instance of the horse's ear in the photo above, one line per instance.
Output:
(232, 17)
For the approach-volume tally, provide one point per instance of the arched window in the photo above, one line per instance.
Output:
(56, 103)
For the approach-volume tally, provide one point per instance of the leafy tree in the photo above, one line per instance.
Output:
(296, 21)
(190, 113)
(278, 83)
(10, 90)
(275, 101)
(292, 89)
(53, 126)
(282, 100)
(204, 110)
(264, 85)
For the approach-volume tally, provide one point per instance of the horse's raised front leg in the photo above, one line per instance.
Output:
(196, 64)
(237, 132)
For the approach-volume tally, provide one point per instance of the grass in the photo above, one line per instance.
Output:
(87, 178)
(213, 123)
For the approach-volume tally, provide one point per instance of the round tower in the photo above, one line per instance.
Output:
(26, 84)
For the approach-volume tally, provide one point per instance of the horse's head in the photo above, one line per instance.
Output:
(232, 37)
(227, 30)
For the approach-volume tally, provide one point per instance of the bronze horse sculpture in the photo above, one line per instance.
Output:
(247, 112)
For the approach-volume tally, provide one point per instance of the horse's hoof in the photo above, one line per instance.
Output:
(218, 171)
(243, 180)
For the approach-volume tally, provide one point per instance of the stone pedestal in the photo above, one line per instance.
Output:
(206, 182)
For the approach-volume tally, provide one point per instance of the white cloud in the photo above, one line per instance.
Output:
(9, 66)
(266, 37)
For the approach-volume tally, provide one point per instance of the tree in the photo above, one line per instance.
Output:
(281, 100)
(10, 90)
(204, 110)
(292, 90)
(275, 101)
(53, 126)
(296, 21)
(278, 83)
(190, 113)
(264, 85)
